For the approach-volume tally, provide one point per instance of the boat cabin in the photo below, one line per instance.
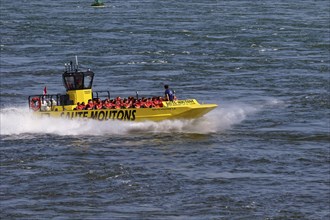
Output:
(78, 84)
(78, 80)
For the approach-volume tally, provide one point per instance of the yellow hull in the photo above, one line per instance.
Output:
(181, 109)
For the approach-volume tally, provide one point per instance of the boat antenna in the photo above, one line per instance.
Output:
(77, 63)
(71, 66)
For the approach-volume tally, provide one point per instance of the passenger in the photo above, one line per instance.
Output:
(98, 105)
(149, 103)
(118, 103)
(169, 94)
(160, 101)
(131, 100)
(77, 107)
(125, 104)
(143, 103)
(156, 102)
(82, 106)
(113, 104)
(137, 104)
(107, 104)
(89, 105)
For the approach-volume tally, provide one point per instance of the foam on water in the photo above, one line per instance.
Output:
(15, 121)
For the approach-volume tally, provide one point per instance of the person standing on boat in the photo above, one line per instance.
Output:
(169, 94)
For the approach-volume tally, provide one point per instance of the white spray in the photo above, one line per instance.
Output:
(15, 121)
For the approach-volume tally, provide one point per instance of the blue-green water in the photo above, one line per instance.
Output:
(262, 154)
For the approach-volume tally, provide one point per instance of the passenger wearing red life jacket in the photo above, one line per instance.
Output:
(118, 99)
(155, 102)
(107, 104)
(160, 101)
(149, 103)
(81, 106)
(123, 103)
(146, 104)
(77, 107)
(130, 102)
(89, 105)
(98, 105)
(137, 104)
(118, 105)
(113, 104)
(143, 103)
(126, 104)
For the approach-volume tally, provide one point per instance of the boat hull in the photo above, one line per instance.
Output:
(183, 109)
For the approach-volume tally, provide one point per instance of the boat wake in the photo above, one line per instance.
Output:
(16, 121)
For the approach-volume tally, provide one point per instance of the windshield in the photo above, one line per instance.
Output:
(78, 80)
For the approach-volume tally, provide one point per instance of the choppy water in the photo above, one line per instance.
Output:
(263, 154)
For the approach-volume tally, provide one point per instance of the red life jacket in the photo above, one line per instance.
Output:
(80, 107)
(107, 105)
(98, 106)
(89, 106)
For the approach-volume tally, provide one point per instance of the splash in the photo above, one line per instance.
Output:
(16, 121)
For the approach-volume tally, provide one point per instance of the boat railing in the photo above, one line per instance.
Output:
(107, 94)
(47, 102)
(101, 94)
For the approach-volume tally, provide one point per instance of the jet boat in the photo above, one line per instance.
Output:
(80, 102)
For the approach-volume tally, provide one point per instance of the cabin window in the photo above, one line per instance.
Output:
(79, 81)
(88, 80)
(69, 81)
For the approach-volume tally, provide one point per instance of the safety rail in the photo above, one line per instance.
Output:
(46, 102)
(100, 92)
(108, 94)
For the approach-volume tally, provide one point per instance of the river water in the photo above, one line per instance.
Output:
(262, 154)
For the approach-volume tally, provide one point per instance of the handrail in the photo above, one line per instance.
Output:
(43, 98)
(101, 91)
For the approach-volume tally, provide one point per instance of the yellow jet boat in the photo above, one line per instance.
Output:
(78, 85)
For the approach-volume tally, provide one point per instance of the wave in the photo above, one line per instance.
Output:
(16, 121)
